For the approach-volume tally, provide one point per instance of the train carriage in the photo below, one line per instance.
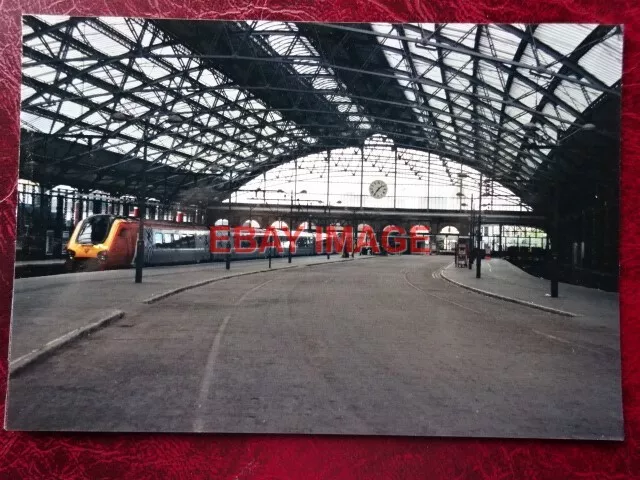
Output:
(101, 242)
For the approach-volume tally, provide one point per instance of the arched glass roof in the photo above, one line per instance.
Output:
(414, 179)
(201, 108)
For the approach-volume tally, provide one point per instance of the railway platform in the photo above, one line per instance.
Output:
(340, 348)
(31, 268)
(504, 280)
(49, 308)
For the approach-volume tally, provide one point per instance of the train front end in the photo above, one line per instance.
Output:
(88, 247)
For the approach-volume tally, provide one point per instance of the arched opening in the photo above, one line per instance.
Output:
(420, 230)
(280, 224)
(221, 221)
(306, 226)
(447, 238)
(251, 223)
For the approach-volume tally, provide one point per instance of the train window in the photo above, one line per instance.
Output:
(157, 240)
(168, 240)
(94, 230)
(191, 241)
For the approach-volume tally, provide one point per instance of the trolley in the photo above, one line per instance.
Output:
(462, 255)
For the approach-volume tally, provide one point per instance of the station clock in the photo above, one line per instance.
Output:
(378, 189)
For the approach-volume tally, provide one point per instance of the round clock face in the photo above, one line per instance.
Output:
(378, 189)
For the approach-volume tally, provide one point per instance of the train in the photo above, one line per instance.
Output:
(104, 242)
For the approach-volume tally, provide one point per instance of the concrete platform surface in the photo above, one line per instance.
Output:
(367, 347)
(500, 277)
(45, 308)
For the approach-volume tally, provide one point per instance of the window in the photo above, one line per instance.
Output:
(168, 240)
(94, 230)
(157, 240)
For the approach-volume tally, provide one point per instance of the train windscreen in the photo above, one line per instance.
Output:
(94, 230)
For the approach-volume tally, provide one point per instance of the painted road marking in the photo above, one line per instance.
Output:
(437, 296)
(568, 342)
(207, 379)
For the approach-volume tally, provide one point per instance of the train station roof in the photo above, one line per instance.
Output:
(203, 106)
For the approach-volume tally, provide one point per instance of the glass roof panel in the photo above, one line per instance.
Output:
(356, 93)
(562, 37)
(604, 60)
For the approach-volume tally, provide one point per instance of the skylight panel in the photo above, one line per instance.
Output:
(150, 69)
(116, 145)
(506, 44)
(538, 58)
(42, 73)
(207, 77)
(164, 141)
(53, 19)
(121, 25)
(562, 37)
(26, 92)
(458, 61)
(572, 95)
(564, 119)
(35, 122)
(604, 60)
(101, 42)
(69, 109)
(463, 33)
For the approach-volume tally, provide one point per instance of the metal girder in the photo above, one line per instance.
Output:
(73, 73)
(313, 90)
(570, 63)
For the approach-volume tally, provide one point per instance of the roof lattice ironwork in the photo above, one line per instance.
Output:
(200, 105)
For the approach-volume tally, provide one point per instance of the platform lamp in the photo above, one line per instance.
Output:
(471, 229)
(294, 194)
(142, 200)
(479, 238)
(227, 263)
(585, 127)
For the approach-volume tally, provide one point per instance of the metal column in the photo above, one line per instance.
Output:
(361, 173)
(554, 245)
(471, 230)
(428, 178)
(228, 255)
(479, 255)
(395, 176)
(328, 203)
(142, 208)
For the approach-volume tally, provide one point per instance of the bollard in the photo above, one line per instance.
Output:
(269, 258)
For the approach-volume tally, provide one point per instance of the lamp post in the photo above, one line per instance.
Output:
(142, 200)
(328, 226)
(471, 228)
(227, 265)
(290, 228)
(478, 260)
